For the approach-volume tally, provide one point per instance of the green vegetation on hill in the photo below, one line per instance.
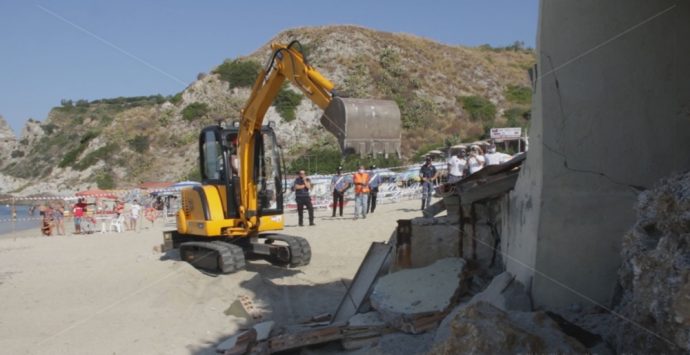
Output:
(195, 111)
(445, 93)
(286, 103)
(325, 160)
(239, 73)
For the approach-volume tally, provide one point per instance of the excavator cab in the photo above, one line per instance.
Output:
(219, 166)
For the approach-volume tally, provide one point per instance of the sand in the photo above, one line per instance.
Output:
(112, 293)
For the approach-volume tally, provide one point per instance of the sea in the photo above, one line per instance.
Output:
(24, 220)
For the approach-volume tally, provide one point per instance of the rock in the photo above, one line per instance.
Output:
(481, 328)
(504, 293)
(410, 299)
(655, 273)
(8, 142)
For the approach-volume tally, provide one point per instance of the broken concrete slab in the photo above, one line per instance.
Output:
(357, 294)
(412, 300)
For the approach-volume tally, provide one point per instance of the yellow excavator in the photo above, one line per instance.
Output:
(235, 212)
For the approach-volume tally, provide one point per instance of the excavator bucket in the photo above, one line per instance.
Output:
(364, 126)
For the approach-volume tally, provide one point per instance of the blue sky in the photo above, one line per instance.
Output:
(157, 47)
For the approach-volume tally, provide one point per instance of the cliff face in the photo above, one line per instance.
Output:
(8, 141)
(123, 141)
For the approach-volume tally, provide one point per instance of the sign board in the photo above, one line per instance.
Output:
(506, 133)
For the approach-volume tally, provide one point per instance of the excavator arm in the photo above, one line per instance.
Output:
(366, 126)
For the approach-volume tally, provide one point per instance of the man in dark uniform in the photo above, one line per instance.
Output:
(301, 187)
(339, 184)
(374, 182)
(427, 173)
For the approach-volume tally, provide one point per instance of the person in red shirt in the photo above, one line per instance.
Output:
(78, 210)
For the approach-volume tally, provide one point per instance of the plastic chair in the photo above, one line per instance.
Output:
(117, 223)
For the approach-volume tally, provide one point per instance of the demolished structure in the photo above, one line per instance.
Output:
(547, 232)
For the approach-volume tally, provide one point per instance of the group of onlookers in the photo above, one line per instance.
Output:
(366, 187)
(465, 162)
(53, 216)
(468, 161)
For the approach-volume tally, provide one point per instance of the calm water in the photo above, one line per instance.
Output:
(6, 225)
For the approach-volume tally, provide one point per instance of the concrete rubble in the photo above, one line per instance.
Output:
(655, 274)
(482, 328)
(414, 300)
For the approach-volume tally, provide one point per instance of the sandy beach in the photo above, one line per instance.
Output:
(111, 293)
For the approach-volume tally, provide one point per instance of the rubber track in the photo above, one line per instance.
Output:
(300, 250)
(231, 256)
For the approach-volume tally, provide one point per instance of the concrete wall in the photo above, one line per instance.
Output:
(611, 113)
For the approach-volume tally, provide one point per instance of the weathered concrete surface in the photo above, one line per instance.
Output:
(611, 112)
(481, 328)
(655, 275)
(504, 293)
(439, 237)
(404, 296)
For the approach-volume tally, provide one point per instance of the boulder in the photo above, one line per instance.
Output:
(481, 328)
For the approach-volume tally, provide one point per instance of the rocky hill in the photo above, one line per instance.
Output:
(446, 94)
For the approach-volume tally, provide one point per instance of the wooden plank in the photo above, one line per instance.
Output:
(304, 338)
(361, 285)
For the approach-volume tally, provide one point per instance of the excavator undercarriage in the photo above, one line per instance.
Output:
(227, 255)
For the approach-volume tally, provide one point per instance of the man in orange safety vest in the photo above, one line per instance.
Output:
(361, 181)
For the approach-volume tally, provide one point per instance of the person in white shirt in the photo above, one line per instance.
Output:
(494, 158)
(476, 159)
(456, 166)
(134, 216)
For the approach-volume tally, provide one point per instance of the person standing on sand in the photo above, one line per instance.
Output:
(78, 211)
(361, 182)
(134, 216)
(301, 186)
(339, 184)
(59, 218)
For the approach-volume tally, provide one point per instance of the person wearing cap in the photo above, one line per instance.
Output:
(361, 181)
(427, 173)
(339, 184)
(374, 182)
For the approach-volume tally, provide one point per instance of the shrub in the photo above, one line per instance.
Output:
(175, 99)
(325, 160)
(70, 157)
(519, 94)
(195, 111)
(286, 103)
(239, 73)
(479, 108)
(17, 154)
(105, 181)
(517, 117)
(139, 143)
(102, 153)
